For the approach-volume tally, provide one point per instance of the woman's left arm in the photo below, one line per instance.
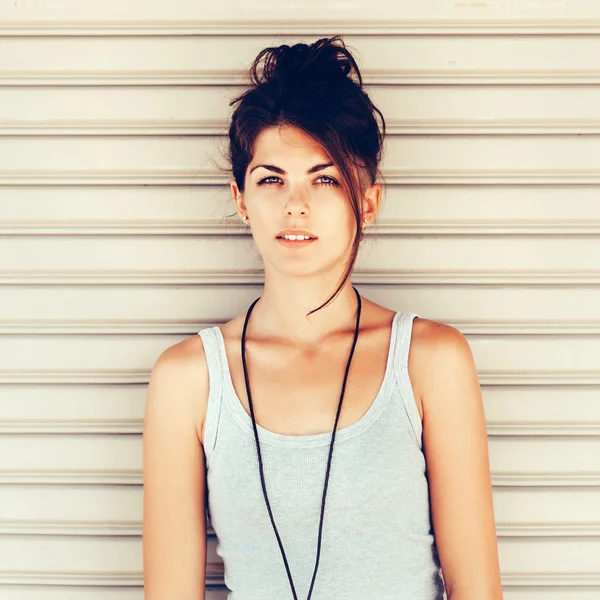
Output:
(456, 451)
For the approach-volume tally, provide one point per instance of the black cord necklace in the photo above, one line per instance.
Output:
(260, 463)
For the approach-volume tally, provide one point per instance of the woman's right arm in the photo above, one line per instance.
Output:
(174, 524)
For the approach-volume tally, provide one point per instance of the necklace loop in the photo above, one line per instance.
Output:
(260, 462)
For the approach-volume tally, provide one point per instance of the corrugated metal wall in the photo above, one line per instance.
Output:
(114, 246)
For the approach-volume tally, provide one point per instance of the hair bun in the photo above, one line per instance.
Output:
(324, 59)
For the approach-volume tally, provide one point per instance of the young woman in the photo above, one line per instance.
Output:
(338, 446)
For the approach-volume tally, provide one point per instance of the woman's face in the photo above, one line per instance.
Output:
(292, 183)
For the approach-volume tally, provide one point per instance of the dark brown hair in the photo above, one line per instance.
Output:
(310, 87)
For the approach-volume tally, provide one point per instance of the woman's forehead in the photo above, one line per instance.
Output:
(287, 142)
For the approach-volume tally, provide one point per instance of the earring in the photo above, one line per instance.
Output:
(245, 217)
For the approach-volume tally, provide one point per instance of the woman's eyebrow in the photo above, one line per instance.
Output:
(281, 171)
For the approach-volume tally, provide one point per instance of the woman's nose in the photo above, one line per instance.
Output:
(297, 203)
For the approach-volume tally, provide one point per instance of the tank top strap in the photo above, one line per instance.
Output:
(401, 352)
(214, 361)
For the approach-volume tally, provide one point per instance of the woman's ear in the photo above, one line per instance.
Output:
(371, 201)
(238, 199)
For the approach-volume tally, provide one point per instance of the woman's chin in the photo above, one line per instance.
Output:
(304, 268)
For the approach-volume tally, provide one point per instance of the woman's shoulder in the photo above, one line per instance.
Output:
(433, 336)
(182, 371)
(432, 342)
(434, 345)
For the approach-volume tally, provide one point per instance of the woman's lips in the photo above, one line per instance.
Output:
(295, 243)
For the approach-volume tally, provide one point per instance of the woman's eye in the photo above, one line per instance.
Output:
(268, 180)
(331, 181)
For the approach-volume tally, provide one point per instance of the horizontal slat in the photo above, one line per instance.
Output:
(548, 530)
(70, 457)
(415, 204)
(554, 560)
(393, 177)
(190, 109)
(497, 357)
(215, 577)
(566, 580)
(99, 561)
(72, 409)
(432, 127)
(96, 506)
(220, 593)
(128, 359)
(187, 254)
(126, 426)
(70, 454)
(93, 478)
(94, 409)
(509, 410)
(526, 587)
(71, 327)
(455, 155)
(117, 510)
(190, 160)
(512, 591)
(195, 210)
(70, 592)
(221, 59)
(194, 110)
(382, 278)
(232, 17)
(536, 428)
(548, 593)
(538, 457)
(370, 78)
(131, 478)
(360, 27)
(137, 309)
(251, 27)
(389, 228)
(70, 529)
(177, 308)
(117, 561)
(546, 507)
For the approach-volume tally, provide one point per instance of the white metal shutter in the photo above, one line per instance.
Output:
(113, 247)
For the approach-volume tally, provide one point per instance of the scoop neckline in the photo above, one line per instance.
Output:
(244, 420)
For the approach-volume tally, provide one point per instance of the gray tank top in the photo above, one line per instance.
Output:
(377, 540)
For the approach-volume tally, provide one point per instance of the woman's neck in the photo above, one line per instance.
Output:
(281, 313)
